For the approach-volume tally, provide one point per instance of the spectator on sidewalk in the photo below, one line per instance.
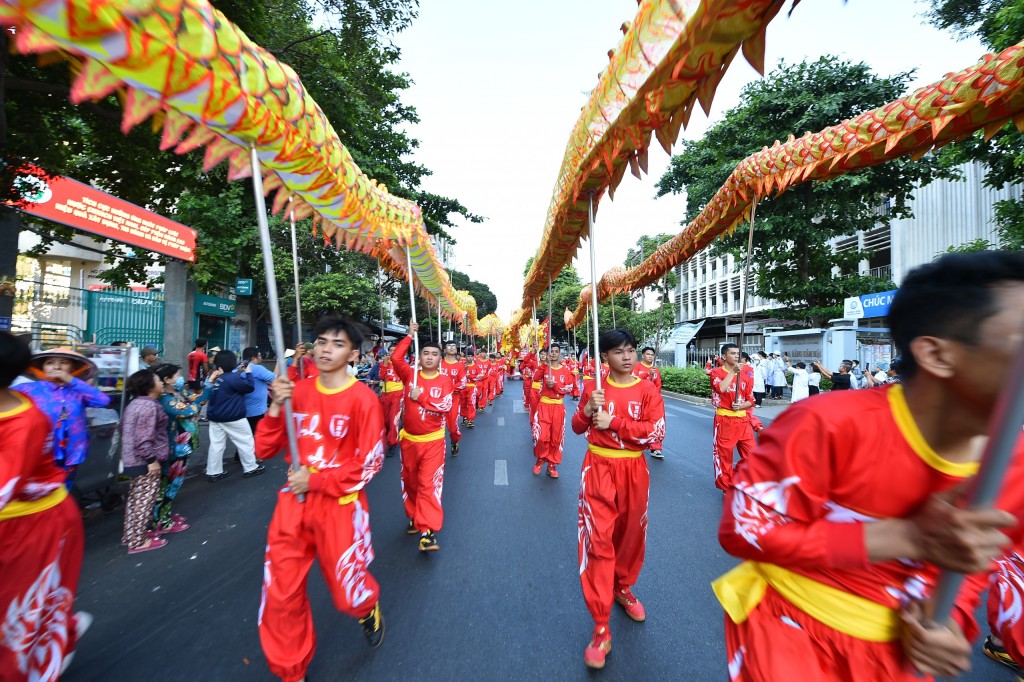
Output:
(62, 391)
(800, 379)
(144, 449)
(778, 376)
(256, 402)
(841, 380)
(813, 380)
(227, 418)
(759, 366)
(197, 361)
(150, 357)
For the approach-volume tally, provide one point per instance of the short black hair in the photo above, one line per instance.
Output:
(801, 365)
(429, 344)
(614, 338)
(250, 352)
(140, 383)
(555, 345)
(165, 370)
(200, 343)
(14, 358)
(337, 323)
(762, 354)
(744, 356)
(645, 349)
(949, 298)
(226, 360)
(727, 346)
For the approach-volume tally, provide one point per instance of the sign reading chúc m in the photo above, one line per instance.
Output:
(868, 305)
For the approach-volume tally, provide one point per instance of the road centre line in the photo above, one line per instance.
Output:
(500, 472)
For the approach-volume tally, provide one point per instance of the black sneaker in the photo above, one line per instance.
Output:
(260, 468)
(455, 449)
(213, 478)
(373, 626)
(390, 451)
(428, 543)
(999, 655)
(411, 528)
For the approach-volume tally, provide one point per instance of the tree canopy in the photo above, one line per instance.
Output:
(795, 262)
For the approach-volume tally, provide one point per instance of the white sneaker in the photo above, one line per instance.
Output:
(83, 621)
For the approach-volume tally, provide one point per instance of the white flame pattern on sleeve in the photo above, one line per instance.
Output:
(7, 492)
(758, 508)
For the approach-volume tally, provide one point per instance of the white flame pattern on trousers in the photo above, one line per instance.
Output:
(1008, 580)
(266, 585)
(350, 571)
(585, 522)
(35, 627)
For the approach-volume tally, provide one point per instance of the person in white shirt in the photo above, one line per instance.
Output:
(759, 363)
(813, 381)
(799, 372)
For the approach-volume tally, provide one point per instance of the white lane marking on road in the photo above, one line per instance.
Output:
(501, 421)
(517, 407)
(500, 472)
(695, 413)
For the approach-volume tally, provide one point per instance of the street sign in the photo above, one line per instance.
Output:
(868, 305)
(5, 324)
(243, 287)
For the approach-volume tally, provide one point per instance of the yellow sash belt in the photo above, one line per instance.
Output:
(344, 499)
(424, 438)
(612, 453)
(740, 591)
(17, 508)
(550, 401)
(535, 385)
(722, 412)
(392, 386)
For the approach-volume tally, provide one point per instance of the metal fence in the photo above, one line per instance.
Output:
(59, 315)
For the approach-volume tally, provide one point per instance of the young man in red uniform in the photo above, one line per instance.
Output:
(549, 420)
(468, 406)
(732, 414)
(526, 372)
(455, 370)
(538, 366)
(391, 391)
(340, 432)
(849, 506)
(574, 368)
(423, 414)
(619, 421)
(41, 537)
(645, 369)
(483, 382)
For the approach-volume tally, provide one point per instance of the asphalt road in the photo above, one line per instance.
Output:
(500, 600)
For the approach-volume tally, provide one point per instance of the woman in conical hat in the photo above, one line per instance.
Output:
(62, 392)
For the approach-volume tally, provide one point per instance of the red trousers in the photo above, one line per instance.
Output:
(451, 417)
(526, 392)
(467, 398)
(1005, 595)
(730, 433)
(338, 537)
(483, 389)
(532, 399)
(612, 528)
(422, 482)
(780, 642)
(392, 406)
(40, 561)
(549, 432)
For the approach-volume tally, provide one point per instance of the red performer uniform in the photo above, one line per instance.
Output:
(549, 419)
(808, 597)
(41, 545)
(1005, 596)
(613, 491)
(391, 392)
(340, 438)
(423, 443)
(483, 384)
(574, 367)
(309, 369)
(456, 372)
(651, 373)
(526, 370)
(732, 427)
(468, 397)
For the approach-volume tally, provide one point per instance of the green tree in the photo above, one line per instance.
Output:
(795, 263)
(998, 24)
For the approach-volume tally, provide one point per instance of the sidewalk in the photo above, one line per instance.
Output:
(769, 410)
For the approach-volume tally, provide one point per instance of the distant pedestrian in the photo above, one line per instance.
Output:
(150, 357)
(813, 380)
(841, 380)
(144, 448)
(227, 418)
(800, 380)
(41, 537)
(197, 365)
(256, 402)
(63, 392)
(760, 362)
(778, 376)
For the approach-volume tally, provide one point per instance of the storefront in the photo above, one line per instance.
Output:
(213, 317)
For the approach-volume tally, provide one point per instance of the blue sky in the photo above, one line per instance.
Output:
(498, 87)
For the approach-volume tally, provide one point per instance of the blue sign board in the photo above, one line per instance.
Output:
(5, 324)
(243, 287)
(868, 305)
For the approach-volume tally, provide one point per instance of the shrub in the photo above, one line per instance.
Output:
(686, 380)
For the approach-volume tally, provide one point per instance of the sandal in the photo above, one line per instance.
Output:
(155, 543)
(175, 527)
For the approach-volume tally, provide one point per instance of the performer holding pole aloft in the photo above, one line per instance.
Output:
(549, 420)
(455, 370)
(645, 369)
(844, 536)
(732, 396)
(322, 513)
(423, 416)
(468, 405)
(483, 379)
(391, 393)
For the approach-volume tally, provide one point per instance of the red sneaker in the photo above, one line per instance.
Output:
(537, 467)
(552, 471)
(634, 609)
(599, 647)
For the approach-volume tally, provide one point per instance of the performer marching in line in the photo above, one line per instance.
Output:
(844, 536)
(549, 420)
(455, 370)
(619, 421)
(391, 391)
(41, 537)
(468, 405)
(427, 401)
(537, 366)
(645, 369)
(732, 414)
(526, 372)
(483, 380)
(340, 437)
